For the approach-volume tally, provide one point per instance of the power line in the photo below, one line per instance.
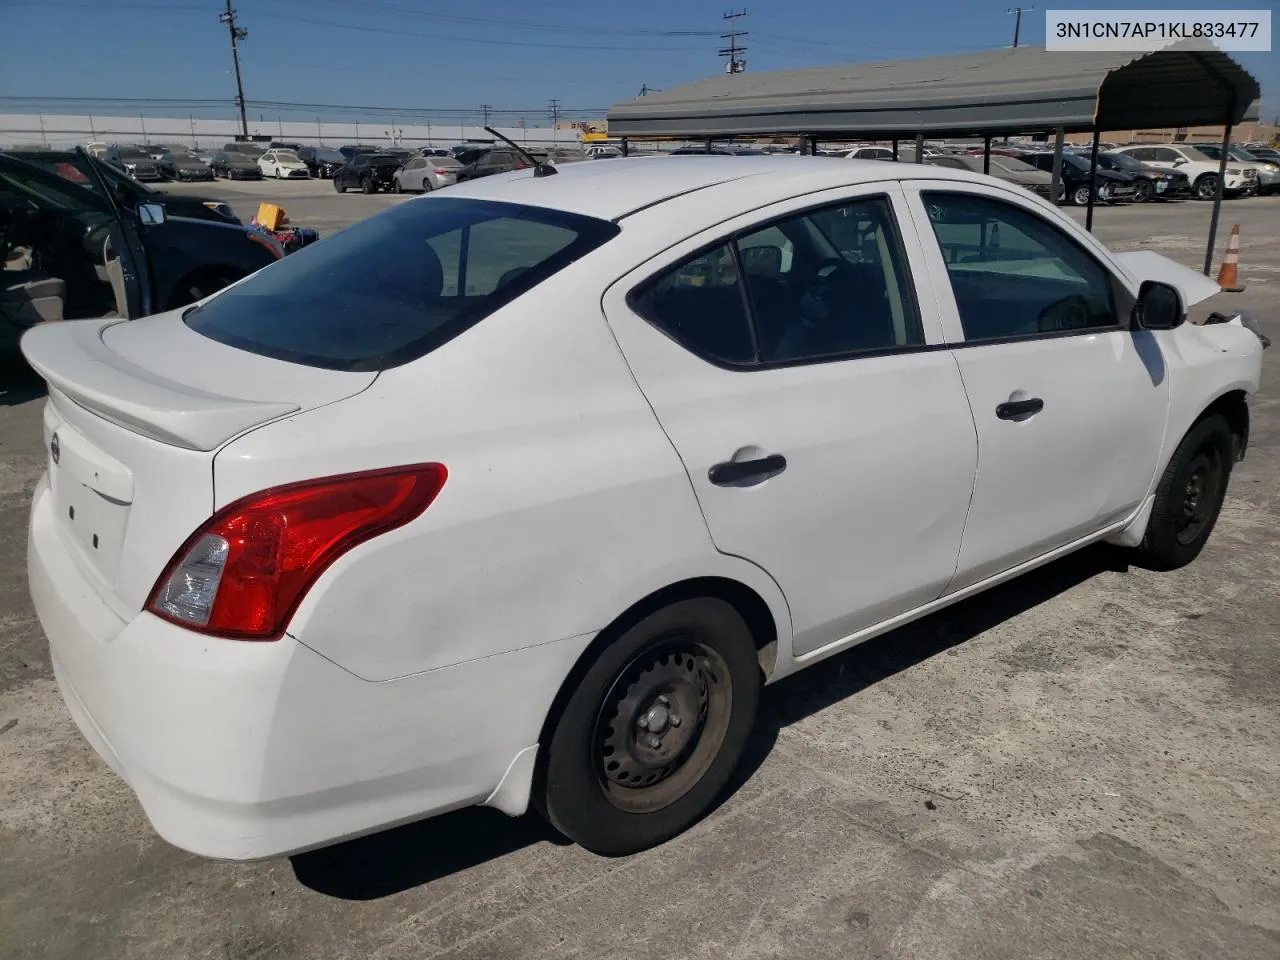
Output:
(734, 64)
(237, 34)
(455, 39)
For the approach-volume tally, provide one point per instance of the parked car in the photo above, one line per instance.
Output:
(71, 252)
(435, 152)
(283, 165)
(718, 151)
(367, 172)
(75, 165)
(284, 145)
(321, 162)
(306, 579)
(1108, 185)
(423, 174)
(496, 161)
(235, 165)
(1267, 175)
(350, 150)
(246, 147)
(1200, 169)
(177, 162)
(1150, 183)
(1008, 169)
(472, 145)
(134, 161)
(869, 153)
(1264, 155)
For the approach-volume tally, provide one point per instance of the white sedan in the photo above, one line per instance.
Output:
(516, 494)
(283, 165)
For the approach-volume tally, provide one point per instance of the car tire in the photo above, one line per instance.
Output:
(1080, 196)
(368, 186)
(1206, 187)
(1189, 496)
(339, 185)
(277, 173)
(1143, 191)
(669, 705)
(397, 186)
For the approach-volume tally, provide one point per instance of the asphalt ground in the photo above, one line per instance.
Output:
(1080, 764)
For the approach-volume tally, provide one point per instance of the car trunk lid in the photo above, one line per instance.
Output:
(136, 413)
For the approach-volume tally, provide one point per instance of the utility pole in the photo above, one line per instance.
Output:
(555, 118)
(645, 90)
(486, 107)
(228, 17)
(735, 62)
(1017, 22)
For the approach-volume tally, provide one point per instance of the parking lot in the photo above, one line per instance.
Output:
(1083, 763)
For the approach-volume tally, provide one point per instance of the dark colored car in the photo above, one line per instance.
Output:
(1150, 183)
(367, 172)
(1108, 185)
(71, 252)
(321, 163)
(135, 162)
(349, 150)
(496, 161)
(181, 163)
(74, 165)
(235, 166)
(284, 145)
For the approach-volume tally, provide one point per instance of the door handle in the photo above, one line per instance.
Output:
(747, 473)
(1016, 409)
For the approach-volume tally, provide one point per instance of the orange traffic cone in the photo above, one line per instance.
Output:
(1228, 276)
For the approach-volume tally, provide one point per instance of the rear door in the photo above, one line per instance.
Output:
(791, 357)
(1069, 403)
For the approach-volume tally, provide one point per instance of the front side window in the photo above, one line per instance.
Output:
(827, 284)
(396, 286)
(1013, 273)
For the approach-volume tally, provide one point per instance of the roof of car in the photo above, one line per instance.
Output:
(622, 186)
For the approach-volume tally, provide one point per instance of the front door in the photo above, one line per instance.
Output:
(1069, 403)
(793, 363)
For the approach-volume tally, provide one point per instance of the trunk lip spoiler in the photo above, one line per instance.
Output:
(76, 363)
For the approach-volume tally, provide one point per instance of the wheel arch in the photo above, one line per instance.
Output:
(1233, 407)
(749, 604)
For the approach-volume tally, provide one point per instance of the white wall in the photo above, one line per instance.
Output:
(68, 131)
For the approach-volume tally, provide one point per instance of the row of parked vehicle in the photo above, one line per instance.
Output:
(1133, 172)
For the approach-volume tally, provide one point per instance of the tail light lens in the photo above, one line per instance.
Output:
(243, 574)
(440, 172)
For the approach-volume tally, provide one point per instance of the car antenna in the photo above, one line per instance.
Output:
(539, 169)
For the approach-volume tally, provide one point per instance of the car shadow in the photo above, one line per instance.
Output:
(19, 384)
(398, 859)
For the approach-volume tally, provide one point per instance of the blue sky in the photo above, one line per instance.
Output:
(512, 55)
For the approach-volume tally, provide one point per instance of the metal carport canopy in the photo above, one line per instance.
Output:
(1021, 89)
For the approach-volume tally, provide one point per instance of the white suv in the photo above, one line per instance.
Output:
(1200, 168)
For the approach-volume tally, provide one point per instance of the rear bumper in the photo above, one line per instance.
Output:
(241, 750)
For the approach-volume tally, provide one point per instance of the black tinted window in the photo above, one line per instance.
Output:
(1013, 273)
(830, 283)
(398, 285)
(699, 304)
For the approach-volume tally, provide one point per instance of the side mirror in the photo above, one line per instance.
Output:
(151, 214)
(1179, 162)
(1159, 307)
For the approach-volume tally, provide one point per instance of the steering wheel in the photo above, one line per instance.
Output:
(1070, 313)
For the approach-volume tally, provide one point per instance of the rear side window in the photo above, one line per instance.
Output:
(396, 286)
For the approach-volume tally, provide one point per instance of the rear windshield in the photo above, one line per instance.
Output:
(396, 286)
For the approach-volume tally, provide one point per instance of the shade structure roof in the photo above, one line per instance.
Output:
(1014, 90)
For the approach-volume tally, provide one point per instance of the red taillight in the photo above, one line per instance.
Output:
(441, 173)
(244, 572)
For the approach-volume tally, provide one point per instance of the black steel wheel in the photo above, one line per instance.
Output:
(1189, 496)
(1143, 191)
(367, 185)
(652, 731)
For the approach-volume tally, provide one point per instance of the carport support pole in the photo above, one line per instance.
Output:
(625, 151)
(920, 147)
(895, 148)
(986, 154)
(813, 146)
(1093, 171)
(1217, 200)
(707, 145)
(1057, 164)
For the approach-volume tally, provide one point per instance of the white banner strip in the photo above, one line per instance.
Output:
(1145, 31)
